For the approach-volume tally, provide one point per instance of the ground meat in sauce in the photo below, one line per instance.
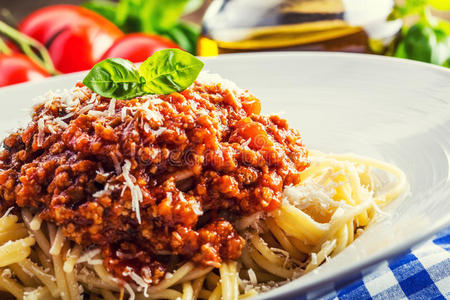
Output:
(194, 155)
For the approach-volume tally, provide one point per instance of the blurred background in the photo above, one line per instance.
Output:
(44, 38)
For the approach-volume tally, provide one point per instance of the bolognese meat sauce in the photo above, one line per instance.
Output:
(153, 176)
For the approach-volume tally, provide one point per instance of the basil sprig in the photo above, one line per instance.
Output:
(169, 71)
(427, 40)
(115, 78)
(165, 72)
(162, 17)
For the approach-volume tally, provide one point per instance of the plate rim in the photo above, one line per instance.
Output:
(269, 54)
(331, 276)
(363, 56)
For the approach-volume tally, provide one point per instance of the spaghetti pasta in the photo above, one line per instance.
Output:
(297, 244)
(193, 195)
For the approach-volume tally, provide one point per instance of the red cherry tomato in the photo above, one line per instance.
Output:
(11, 46)
(16, 68)
(75, 36)
(137, 47)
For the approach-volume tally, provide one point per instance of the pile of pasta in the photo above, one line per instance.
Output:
(338, 197)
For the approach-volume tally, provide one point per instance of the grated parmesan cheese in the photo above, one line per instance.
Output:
(66, 116)
(136, 193)
(252, 276)
(140, 282)
(106, 190)
(85, 109)
(158, 131)
(96, 113)
(123, 113)
(41, 128)
(112, 107)
(197, 209)
(247, 142)
(51, 129)
(207, 78)
(61, 123)
(116, 162)
(130, 291)
(87, 256)
(7, 212)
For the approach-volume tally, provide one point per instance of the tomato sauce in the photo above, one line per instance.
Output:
(192, 162)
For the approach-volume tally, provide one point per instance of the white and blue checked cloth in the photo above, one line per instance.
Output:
(421, 274)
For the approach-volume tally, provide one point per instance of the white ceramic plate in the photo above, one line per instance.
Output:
(391, 109)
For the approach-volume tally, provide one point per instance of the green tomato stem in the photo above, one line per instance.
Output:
(30, 46)
(4, 49)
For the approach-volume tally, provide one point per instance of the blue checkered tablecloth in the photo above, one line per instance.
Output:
(423, 273)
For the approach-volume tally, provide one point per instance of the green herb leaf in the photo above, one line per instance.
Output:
(115, 78)
(165, 72)
(420, 40)
(125, 14)
(400, 51)
(184, 34)
(105, 8)
(429, 39)
(129, 11)
(170, 70)
(442, 50)
(427, 43)
(159, 16)
(408, 8)
(447, 63)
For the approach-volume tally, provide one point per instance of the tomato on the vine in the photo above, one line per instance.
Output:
(137, 47)
(76, 37)
(18, 68)
(11, 46)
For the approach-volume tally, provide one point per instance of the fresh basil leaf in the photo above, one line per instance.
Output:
(126, 8)
(124, 14)
(160, 15)
(427, 43)
(184, 34)
(192, 32)
(447, 63)
(179, 37)
(409, 7)
(169, 70)
(441, 51)
(420, 42)
(115, 78)
(400, 51)
(104, 8)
